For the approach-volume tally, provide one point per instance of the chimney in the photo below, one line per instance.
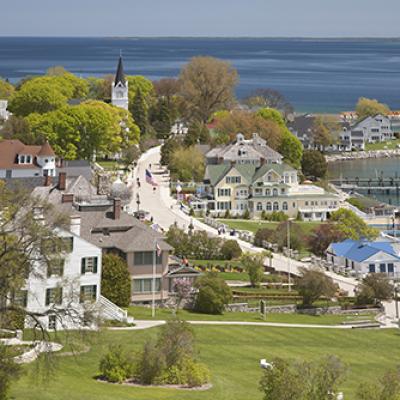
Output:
(75, 224)
(62, 179)
(47, 180)
(67, 198)
(117, 208)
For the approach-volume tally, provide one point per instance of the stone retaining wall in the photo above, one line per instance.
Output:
(292, 309)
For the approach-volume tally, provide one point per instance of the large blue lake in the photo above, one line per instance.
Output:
(315, 75)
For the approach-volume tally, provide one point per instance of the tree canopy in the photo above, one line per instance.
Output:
(351, 225)
(313, 164)
(6, 89)
(370, 107)
(207, 85)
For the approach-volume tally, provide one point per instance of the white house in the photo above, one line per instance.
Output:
(61, 295)
(18, 160)
(4, 114)
(362, 257)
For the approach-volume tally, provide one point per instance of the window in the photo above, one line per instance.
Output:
(306, 203)
(146, 258)
(390, 268)
(267, 192)
(224, 192)
(55, 267)
(22, 159)
(259, 206)
(275, 192)
(88, 293)
(223, 205)
(382, 268)
(284, 206)
(68, 244)
(53, 296)
(52, 322)
(20, 298)
(89, 264)
(282, 191)
(233, 179)
(145, 285)
(276, 206)
(294, 205)
(371, 268)
(258, 191)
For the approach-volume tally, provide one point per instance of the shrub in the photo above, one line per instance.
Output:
(213, 294)
(149, 364)
(193, 373)
(374, 288)
(263, 234)
(115, 280)
(227, 214)
(230, 250)
(246, 214)
(254, 266)
(116, 365)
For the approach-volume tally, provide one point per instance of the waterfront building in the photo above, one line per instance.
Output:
(258, 181)
(119, 88)
(4, 113)
(18, 160)
(363, 257)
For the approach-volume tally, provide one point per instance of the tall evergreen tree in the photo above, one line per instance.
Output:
(161, 119)
(140, 112)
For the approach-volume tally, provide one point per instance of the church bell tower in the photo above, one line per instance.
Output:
(119, 88)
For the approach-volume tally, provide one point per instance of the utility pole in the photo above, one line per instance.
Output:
(289, 256)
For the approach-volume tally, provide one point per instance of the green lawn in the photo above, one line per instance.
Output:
(389, 145)
(232, 354)
(165, 314)
(111, 165)
(254, 226)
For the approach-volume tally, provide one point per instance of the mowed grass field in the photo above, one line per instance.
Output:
(231, 352)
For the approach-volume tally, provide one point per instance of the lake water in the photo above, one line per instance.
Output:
(315, 75)
(369, 168)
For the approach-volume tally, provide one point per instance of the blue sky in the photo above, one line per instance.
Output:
(308, 18)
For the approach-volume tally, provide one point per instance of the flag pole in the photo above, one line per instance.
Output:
(153, 300)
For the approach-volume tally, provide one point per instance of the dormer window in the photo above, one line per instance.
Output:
(24, 159)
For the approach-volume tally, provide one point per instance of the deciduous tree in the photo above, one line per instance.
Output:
(187, 164)
(207, 85)
(269, 98)
(313, 164)
(375, 287)
(254, 266)
(370, 107)
(313, 284)
(291, 149)
(322, 236)
(6, 89)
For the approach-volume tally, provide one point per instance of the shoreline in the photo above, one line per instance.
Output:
(362, 155)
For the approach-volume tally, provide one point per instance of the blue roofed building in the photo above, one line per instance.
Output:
(361, 257)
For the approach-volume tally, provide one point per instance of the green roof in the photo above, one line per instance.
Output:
(216, 172)
(246, 170)
(278, 168)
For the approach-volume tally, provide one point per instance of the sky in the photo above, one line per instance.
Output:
(272, 18)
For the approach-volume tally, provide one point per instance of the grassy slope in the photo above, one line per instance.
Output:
(389, 145)
(165, 314)
(253, 226)
(232, 354)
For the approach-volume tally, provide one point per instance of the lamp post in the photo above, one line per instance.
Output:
(396, 294)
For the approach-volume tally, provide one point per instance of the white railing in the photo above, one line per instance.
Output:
(109, 310)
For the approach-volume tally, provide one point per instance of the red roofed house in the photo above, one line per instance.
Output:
(18, 160)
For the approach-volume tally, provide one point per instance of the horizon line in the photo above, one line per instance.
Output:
(203, 37)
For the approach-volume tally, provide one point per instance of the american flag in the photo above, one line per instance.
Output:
(150, 179)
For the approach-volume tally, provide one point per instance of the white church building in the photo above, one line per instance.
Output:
(119, 88)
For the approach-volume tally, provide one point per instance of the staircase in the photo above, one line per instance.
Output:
(110, 311)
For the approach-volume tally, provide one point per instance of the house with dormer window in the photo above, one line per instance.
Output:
(18, 160)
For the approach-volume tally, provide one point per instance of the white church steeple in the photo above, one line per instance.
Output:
(119, 88)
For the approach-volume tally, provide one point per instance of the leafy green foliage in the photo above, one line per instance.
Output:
(6, 89)
(351, 225)
(230, 250)
(116, 280)
(313, 284)
(199, 245)
(302, 380)
(9, 372)
(313, 164)
(386, 388)
(213, 294)
(322, 236)
(370, 107)
(374, 288)
(139, 111)
(291, 149)
(254, 266)
(187, 164)
(116, 365)
(207, 85)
